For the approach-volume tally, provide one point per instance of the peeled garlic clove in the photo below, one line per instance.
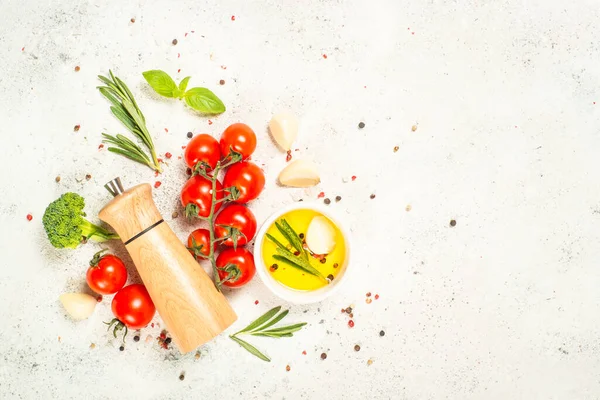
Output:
(299, 173)
(78, 305)
(320, 235)
(284, 129)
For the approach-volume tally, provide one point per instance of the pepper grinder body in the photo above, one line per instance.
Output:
(184, 295)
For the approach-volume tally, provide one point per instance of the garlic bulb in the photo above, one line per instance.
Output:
(299, 173)
(320, 235)
(78, 305)
(284, 129)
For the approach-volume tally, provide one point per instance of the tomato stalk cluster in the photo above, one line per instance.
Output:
(232, 194)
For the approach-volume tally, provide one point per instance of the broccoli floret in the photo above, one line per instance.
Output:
(66, 226)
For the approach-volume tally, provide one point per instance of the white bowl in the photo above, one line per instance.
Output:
(285, 292)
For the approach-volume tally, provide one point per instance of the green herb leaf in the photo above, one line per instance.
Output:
(273, 335)
(273, 321)
(277, 242)
(183, 85)
(251, 349)
(162, 83)
(261, 320)
(203, 100)
(286, 329)
(298, 262)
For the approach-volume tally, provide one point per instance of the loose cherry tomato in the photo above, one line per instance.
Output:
(243, 260)
(196, 196)
(107, 273)
(199, 242)
(204, 148)
(239, 217)
(239, 138)
(133, 307)
(248, 178)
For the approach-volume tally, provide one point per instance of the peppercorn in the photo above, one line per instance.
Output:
(301, 236)
(132, 20)
(361, 125)
(372, 196)
(348, 310)
(296, 253)
(136, 338)
(57, 179)
(338, 198)
(396, 148)
(88, 177)
(327, 201)
(335, 265)
(330, 277)
(287, 368)
(351, 324)
(356, 348)
(181, 377)
(189, 135)
(323, 260)
(351, 315)
(122, 348)
(76, 128)
(175, 214)
(323, 356)
(368, 294)
(174, 42)
(381, 333)
(168, 340)
(274, 267)
(222, 82)
(452, 222)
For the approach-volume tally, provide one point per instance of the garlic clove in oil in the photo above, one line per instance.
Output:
(78, 305)
(320, 235)
(284, 129)
(299, 173)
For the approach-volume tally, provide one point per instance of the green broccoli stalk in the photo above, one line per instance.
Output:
(66, 226)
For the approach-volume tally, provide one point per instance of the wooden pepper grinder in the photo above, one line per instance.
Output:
(184, 295)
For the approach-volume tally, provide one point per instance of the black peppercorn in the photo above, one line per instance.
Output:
(189, 135)
(338, 198)
(136, 338)
(301, 236)
(330, 277)
(181, 377)
(168, 340)
(356, 348)
(452, 222)
(122, 348)
(327, 201)
(222, 82)
(323, 356)
(323, 260)
(372, 196)
(174, 42)
(381, 333)
(361, 125)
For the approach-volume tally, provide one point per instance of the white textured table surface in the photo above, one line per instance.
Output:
(505, 305)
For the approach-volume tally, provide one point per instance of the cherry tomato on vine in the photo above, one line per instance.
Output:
(202, 147)
(133, 307)
(196, 196)
(107, 273)
(239, 217)
(199, 242)
(248, 178)
(243, 260)
(239, 138)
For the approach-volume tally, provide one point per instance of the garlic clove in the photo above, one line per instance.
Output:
(320, 235)
(299, 173)
(78, 305)
(284, 129)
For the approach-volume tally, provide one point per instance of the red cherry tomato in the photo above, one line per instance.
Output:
(199, 241)
(133, 307)
(239, 138)
(236, 216)
(107, 274)
(241, 258)
(248, 178)
(196, 196)
(202, 147)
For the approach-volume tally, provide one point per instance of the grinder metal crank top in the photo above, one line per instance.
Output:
(184, 295)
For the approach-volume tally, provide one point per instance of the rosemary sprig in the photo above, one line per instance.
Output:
(300, 261)
(259, 326)
(125, 108)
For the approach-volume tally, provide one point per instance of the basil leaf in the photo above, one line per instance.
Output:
(203, 100)
(251, 349)
(183, 84)
(162, 83)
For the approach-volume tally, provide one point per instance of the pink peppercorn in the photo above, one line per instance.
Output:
(351, 324)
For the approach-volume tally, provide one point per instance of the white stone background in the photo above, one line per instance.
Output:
(502, 306)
